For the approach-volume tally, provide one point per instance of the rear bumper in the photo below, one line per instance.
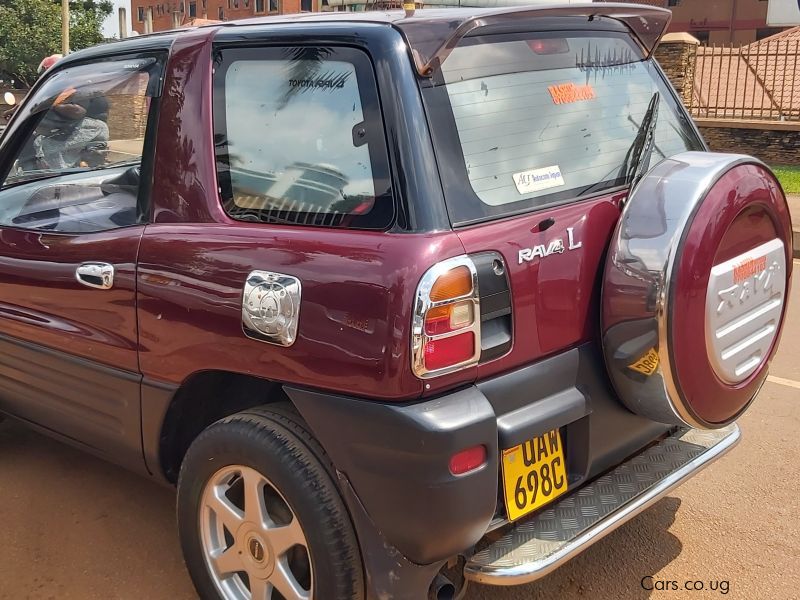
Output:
(534, 547)
(396, 456)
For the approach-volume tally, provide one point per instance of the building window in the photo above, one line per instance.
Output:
(274, 6)
(247, 3)
(140, 14)
(673, 2)
(305, 5)
(259, 6)
(192, 9)
(221, 13)
(235, 3)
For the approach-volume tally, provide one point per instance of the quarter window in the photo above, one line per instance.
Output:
(300, 138)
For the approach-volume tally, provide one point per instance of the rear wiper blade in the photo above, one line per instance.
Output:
(637, 159)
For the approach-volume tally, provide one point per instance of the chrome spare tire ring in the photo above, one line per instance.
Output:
(253, 542)
(694, 289)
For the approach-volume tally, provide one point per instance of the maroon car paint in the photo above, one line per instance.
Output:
(555, 298)
(357, 286)
(42, 303)
(744, 208)
(354, 317)
(184, 161)
(79, 375)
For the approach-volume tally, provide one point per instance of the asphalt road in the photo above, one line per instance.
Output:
(72, 526)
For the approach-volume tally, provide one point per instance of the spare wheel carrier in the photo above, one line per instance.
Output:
(694, 290)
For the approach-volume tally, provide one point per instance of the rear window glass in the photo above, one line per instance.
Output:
(299, 138)
(526, 120)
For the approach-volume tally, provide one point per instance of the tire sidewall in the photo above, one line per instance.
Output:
(281, 461)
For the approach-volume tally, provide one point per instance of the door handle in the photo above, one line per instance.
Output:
(97, 275)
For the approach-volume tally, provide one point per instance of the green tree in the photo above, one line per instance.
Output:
(31, 30)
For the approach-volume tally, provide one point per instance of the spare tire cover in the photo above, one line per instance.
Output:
(694, 289)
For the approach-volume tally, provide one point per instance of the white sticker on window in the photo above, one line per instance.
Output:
(538, 179)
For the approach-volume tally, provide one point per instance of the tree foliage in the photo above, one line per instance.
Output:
(31, 30)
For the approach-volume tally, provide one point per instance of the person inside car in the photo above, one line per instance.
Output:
(72, 134)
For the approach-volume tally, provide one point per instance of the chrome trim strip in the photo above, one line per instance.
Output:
(532, 571)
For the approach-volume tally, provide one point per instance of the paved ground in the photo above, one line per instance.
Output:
(72, 526)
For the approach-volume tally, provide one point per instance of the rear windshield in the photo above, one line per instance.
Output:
(522, 121)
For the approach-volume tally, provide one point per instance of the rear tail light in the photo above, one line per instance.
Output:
(446, 329)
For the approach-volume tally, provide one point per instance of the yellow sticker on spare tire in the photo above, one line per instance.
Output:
(647, 364)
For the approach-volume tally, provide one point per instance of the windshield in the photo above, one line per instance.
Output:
(522, 121)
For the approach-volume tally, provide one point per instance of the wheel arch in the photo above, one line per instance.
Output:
(173, 417)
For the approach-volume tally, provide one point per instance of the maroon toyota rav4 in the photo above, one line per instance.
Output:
(397, 301)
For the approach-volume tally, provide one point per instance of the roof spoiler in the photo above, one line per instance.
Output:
(432, 37)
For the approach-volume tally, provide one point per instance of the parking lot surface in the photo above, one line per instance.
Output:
(73, 526)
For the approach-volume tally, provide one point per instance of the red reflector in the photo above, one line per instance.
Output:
(468, 460)
(449, 351)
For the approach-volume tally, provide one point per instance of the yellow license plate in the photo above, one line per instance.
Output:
(534, 474)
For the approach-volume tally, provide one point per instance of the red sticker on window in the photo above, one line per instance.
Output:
(566, 93)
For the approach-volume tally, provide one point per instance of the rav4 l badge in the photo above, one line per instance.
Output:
(555, 246)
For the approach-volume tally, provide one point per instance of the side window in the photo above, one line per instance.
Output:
(75, 153)
(299, 138)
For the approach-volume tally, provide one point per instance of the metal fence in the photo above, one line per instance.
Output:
(758, 81)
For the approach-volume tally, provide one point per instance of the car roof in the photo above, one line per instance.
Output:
(431, 32)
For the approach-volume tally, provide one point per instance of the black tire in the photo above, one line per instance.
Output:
(275, 442)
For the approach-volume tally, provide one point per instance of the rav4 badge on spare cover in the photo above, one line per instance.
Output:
(271, 307)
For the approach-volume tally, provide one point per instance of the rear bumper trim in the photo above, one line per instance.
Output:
(539, 545)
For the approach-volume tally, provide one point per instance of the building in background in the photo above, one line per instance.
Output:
(710, 21)
(718, 21)
(168, 14)
(722, 21)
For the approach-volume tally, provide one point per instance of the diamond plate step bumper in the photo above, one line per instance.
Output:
(538, 545)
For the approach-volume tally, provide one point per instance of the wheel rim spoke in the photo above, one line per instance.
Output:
(227, 562)
(236, 516)
(254, 508)
(260, 589)
(284, 581)
(282, 538)
(225, 511)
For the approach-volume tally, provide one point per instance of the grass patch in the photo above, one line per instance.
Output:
(789, 178)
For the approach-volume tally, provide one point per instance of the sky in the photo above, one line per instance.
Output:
(111, 27)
